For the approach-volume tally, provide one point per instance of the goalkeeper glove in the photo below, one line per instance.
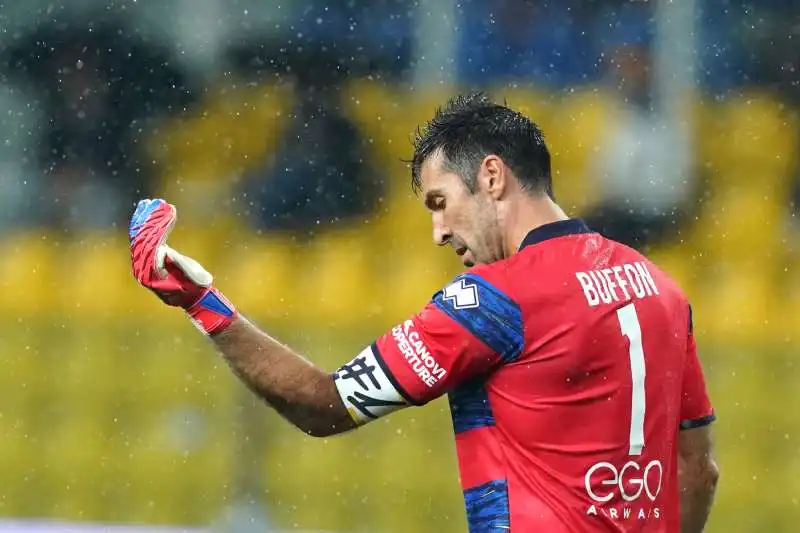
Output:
(177, 280)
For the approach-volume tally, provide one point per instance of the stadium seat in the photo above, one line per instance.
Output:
(21, 345)
(787, 298)
(710, 141)
(18, 461)
(760, 135)
(380, 110)
(391, 117)
(260, 274)
(403, 217)
(95, 276)
(735, 303)
(749, 160)
(422, 271)
(88, 397)
(411, 268)
(70, 412)
(319, 471)
(420, 440)
(176, 428)
(738, 220)
(230, 132)
(762, 460)
(76, 476)
(28, 272)
(703, 117)
(177, 481)
(337, 278)
(574, 134)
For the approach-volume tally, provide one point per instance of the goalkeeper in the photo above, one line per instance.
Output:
(569, 360)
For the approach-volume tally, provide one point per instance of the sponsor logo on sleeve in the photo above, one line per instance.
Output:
(417, 354)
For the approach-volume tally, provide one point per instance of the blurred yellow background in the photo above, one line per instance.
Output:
(115, 408)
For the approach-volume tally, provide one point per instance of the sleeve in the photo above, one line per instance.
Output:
(696, 408)
(468, 328)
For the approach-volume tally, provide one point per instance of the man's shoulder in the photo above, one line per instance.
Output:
(495, 280)
(479, 299)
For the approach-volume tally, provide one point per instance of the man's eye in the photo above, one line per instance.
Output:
(438, 203)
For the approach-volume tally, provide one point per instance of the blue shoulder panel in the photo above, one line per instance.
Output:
(486, 312)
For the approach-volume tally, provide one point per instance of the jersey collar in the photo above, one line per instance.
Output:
(561, 228)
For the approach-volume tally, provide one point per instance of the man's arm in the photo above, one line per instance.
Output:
(302, 393)
(453, 338)
(697, 477)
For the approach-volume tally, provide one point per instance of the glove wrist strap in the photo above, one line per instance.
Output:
(212, 313)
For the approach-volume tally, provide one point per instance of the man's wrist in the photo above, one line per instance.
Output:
(212, 313)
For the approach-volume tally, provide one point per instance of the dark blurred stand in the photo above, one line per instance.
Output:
(318, 176)
(98, 85)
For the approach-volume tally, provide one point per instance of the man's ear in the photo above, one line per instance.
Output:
(493, 176)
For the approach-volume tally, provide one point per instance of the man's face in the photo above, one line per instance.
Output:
(464, 220)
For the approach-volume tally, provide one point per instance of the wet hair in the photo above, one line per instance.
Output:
(469, 128)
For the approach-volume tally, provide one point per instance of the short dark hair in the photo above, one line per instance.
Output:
(469, 128)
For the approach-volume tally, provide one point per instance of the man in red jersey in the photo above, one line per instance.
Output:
(569, 360)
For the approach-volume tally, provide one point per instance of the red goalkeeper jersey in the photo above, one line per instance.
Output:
(570, 368)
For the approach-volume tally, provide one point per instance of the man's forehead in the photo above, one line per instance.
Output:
(432, 174)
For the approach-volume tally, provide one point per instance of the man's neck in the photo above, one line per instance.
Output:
(531, 214)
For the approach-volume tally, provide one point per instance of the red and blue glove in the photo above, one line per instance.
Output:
(177, 280)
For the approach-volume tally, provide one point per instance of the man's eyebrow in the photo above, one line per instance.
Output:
(430, 196)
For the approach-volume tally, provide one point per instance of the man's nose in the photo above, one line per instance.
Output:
(441, 234)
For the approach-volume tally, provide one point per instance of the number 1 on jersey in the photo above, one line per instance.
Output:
(629, 324)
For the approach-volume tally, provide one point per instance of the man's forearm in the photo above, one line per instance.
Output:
(301, 392)
(697, 497)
